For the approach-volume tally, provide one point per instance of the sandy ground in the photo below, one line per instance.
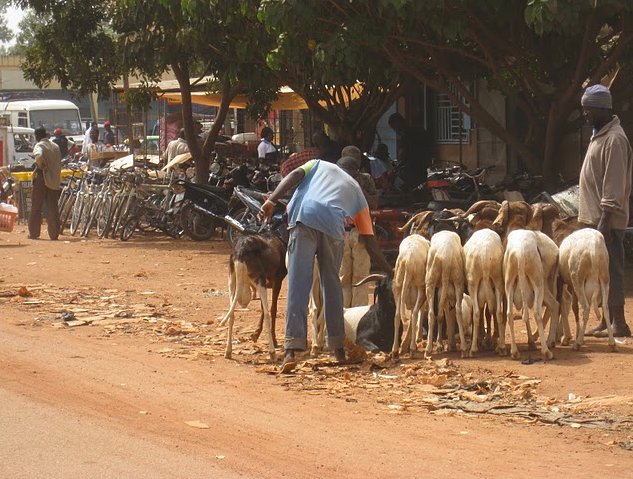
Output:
(136, 385)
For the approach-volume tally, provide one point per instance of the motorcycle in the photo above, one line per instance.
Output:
(244, 207)
(203, 209)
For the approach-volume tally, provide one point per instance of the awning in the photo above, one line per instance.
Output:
(287, 99)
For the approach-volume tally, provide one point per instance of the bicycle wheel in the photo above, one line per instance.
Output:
(76, 215)
(128, 207)
(85, 214)
(129, 227)
(103, 216)
(197, 226)
(117, 203)
(65, 210)
(92, 217)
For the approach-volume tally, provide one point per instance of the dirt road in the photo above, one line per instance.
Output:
(136, 385)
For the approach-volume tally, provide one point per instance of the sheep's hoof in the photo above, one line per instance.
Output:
(547, 354)
(531, 346)
(613, 347)
(414, 354)
(576, 346)
(272, 356)
(501, 350)
(314, 351)
(395, 355)
(551, 344)
(565, 341)
(473, 353)
(515, 354)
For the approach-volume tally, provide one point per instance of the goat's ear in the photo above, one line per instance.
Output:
(536, 221)
(502, 217)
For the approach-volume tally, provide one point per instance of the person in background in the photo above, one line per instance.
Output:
(605, 187)
(266, 151)
(176, 147)
(356, 262)
(46, 185)
(62, 142)
(325, 195)
(94, 124)
(301, 157)
(85, 148)
(414, 152)
(108, 135)
(329, 149)
(96, 146)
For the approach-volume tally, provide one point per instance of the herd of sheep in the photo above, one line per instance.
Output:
(458, 275)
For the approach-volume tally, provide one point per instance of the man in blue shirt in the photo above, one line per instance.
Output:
(326, 195)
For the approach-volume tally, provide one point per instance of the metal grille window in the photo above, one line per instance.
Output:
(453, 126)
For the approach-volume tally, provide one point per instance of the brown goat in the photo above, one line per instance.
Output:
(257, 261)
(543, 216)
(513, 215)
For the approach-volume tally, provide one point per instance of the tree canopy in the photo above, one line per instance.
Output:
(538, 53)
(350, 59)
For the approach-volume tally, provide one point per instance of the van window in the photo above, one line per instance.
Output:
(23, 142)
(23, 120)
(67, 120)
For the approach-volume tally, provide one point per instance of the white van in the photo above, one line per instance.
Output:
(16, 147)
(50, 114)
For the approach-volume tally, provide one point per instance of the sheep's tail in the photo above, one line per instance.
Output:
(242, 284)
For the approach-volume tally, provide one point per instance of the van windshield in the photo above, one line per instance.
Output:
(68, 120)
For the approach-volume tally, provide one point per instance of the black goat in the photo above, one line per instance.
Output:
(373, 327)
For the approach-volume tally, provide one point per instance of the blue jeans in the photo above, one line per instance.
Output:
(305, 243)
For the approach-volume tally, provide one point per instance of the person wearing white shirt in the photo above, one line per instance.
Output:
(266, 150)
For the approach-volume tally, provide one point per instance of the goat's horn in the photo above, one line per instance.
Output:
(371, 277)
(480, 205)
(419, 219)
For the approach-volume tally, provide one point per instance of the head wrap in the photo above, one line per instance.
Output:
(597, 96)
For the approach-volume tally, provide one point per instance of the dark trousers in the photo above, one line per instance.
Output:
(615, 247)
(41, 194)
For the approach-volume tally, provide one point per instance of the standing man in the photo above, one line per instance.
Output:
(46, 185)
(61, 141)
(414, 152)
(605, 187)
(356, 262)
(108, 134)
(85, 148)
(325, 195)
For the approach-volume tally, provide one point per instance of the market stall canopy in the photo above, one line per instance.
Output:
(169, 90)
(287, 99)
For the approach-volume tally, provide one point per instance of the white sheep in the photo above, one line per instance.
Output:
(530, 265)
(483, 261)
(445, 277)
(584, 269)
(409, 291)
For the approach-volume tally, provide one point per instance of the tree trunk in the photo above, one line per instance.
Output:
(228, 94)
(202, 163)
